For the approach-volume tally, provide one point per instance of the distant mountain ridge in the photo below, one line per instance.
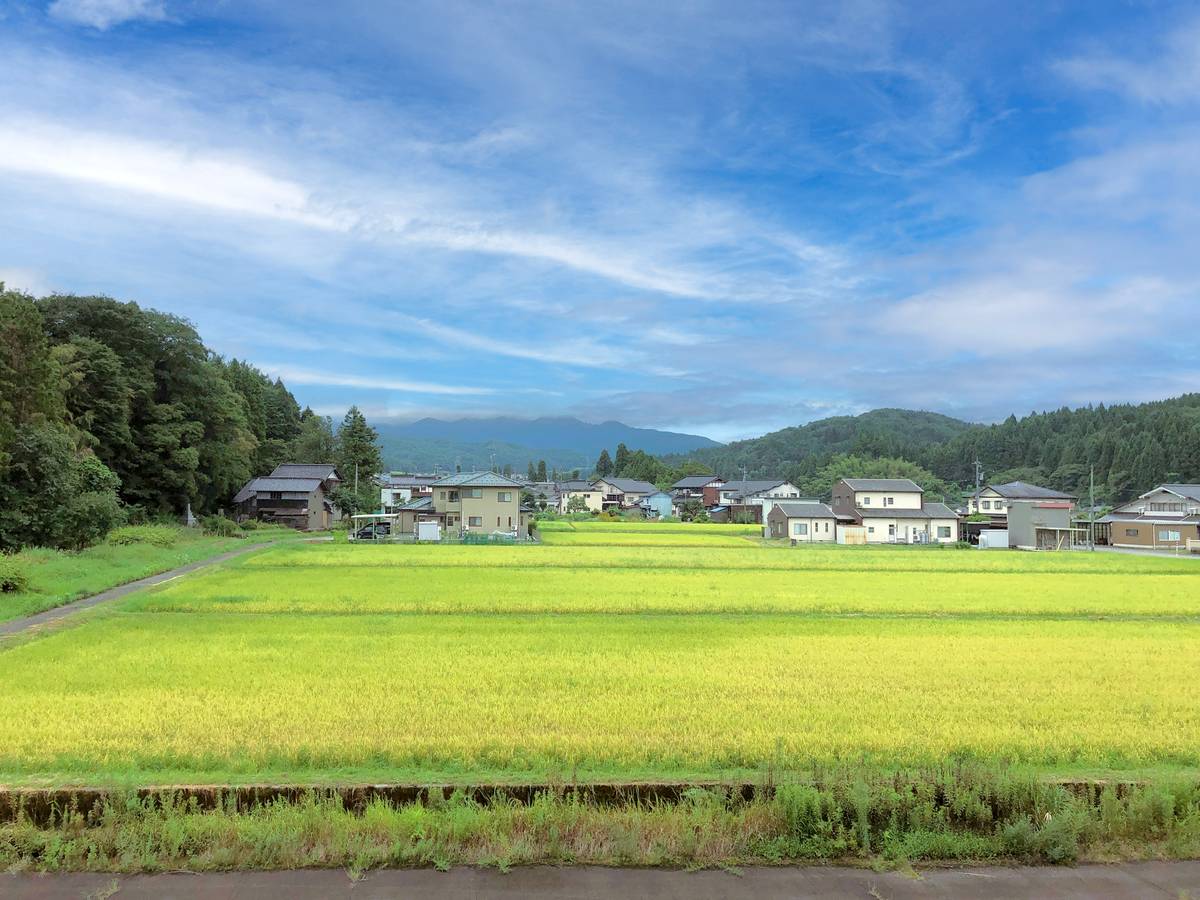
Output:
(881, 432)
(564, 442)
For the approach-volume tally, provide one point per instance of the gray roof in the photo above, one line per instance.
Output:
(402, 479)
(1191, 491)
(576, 484)
(695, 481)
(927, 511)
(418, 503)
(805, 510)
(283, 485)
(1020, 490)
(905, 485)
(630, 485)
(753, 486)
(1150, 518)
(304, 470)
(476, 479)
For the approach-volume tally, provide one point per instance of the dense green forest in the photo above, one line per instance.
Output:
(1131, 446)
(110, 412)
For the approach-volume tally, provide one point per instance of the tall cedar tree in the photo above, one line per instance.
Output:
(604, 465)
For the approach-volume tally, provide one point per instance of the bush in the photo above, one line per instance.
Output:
(220, 526)
(155, 535)
(89, 517)
(13, 577)
(250, 525)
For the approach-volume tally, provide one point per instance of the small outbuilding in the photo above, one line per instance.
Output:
(802, 523)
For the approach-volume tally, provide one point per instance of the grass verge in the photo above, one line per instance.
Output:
(57, 577)
(856, 817)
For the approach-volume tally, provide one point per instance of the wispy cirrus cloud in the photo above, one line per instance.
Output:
(105, 14)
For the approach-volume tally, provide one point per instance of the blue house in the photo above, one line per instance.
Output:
(657, 505)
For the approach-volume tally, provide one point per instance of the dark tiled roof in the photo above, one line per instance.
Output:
(805, 510)
(928, 511)
(304, 470)
(1191, 491)
(283, 485)
(752, 486)
(576, 485)
(905, 485)
(476, 479)
(695, 481)
(399, 480)
(418, 503)
(630, 485)
(1020, 490)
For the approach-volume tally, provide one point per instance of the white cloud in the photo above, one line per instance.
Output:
(1167, 75)
(166, 171)
(300, 375)
(24, 279)
(104, 14)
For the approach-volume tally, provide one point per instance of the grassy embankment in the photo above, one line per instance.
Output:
(58, 576)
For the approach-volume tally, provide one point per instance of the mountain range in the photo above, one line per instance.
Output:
(564, 442)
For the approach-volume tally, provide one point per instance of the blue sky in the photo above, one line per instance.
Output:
(715, 217)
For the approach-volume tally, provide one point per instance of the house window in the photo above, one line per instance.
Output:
(891, 531)
(870, 529)
(475, 521)
(1131, 532)
(1165, 535)
(504, 496)
(943, 531)
(453, 495)
(889, 501)
(276, 495)
(1166, 507)
(866, 501)
(473, 493)
(827, 528)
(510, 521)
(442, 495)
(986, 504)
(800, 528)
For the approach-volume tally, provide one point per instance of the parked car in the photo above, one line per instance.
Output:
(372, 532)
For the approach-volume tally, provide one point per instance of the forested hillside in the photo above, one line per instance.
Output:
(1132, 447)
(111, 412)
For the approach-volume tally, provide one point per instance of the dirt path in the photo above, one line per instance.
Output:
(50, 616)
(1172, 880)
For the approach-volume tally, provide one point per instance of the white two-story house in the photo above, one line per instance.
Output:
(893, 511)
(995, 499)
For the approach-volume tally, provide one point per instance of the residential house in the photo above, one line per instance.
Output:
(623, 493)
(474, 502)
(692, 487)
(893, 511)
(751, 500)
(994, 499)
(326, 472)
(593, 496)
(1166, 517)
(399, 488)
(297, 502)
(658, 505)
(802, 523)
(543, 494)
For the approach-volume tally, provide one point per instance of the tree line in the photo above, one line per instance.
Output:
(110, 412)
(1130, 448)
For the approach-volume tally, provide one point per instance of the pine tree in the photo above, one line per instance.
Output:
(621, 463)
(541, 470)
(604, 466)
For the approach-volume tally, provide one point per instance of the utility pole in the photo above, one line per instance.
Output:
(1092, 507)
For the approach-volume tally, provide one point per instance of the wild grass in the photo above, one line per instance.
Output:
(59, 576)
(212, 694)
(599, 526)
(854, 816)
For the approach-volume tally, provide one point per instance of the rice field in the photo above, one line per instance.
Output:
(713, 655)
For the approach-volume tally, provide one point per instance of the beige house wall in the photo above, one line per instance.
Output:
(491, 512)
(593, 499)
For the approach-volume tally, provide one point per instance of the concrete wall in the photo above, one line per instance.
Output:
(593, 499)
(878, 499)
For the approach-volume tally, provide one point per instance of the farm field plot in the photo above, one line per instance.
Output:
(423, 663)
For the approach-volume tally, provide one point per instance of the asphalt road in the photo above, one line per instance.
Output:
(1176, 881)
